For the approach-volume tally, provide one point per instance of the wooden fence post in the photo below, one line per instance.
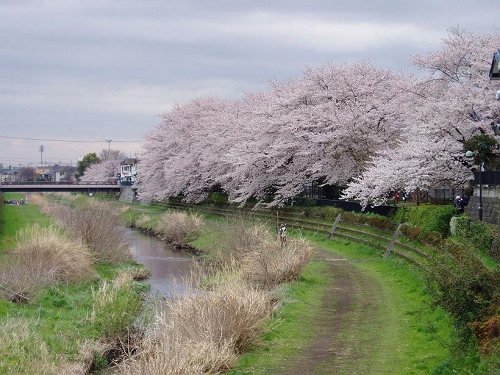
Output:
(393, 241)
(334, 226)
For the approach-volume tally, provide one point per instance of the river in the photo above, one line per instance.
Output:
(168, 267)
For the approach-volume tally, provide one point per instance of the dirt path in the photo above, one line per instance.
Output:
(349, 304)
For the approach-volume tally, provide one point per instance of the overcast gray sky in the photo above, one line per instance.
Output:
(74, 73)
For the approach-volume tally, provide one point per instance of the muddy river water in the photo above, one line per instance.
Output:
(168, 267)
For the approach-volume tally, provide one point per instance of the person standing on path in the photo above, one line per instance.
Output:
(282, 233)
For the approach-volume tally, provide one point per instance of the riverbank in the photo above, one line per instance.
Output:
(409, 328)
(65, 327)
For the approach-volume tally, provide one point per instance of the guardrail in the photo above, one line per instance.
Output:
(56, 183)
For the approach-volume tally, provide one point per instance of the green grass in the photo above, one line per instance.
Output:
(59, 318)
(16, 217)
(409, 334)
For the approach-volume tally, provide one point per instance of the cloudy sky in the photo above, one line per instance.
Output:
(75, 73)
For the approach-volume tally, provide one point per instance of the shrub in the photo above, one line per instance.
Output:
(380, 222)
(495, 247)
(463, 286)
(431, 238)
(480, 235)
(43, 256)
(429, 218)
(488, 334)
(329, 212)
(411, 232)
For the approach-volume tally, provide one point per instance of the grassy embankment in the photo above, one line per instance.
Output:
(395, 311)
(413, 336)
(55, 321)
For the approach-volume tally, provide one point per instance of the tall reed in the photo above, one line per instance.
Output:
(96, 224)
(273, 264)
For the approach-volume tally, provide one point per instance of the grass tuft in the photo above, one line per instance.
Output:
(43, 256)
(202, 333)
(176, 225)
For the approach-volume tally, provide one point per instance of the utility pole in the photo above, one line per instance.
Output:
(41, 148)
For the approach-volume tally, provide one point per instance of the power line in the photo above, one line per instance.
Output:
(60, 140)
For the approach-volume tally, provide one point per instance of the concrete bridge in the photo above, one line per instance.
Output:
(48, 186)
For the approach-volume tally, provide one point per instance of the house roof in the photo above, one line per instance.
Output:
(129, 161)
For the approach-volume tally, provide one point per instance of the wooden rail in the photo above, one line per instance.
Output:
(390, 242)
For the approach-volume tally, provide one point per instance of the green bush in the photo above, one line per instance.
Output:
(329, 212)
(217, 198)
(479, 235)
(411, 232)
(461, 284)
(429, 218)
(373, 220)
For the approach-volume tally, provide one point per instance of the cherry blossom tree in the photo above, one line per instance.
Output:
(107, 169)
(324, 126)
(186, 153)
(452, 103)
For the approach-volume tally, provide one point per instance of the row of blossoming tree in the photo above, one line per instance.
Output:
(370, 130)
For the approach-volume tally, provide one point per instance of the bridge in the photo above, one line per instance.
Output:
(49, 186)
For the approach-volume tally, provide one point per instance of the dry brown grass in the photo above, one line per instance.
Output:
(43, 256)
(176, 225)
(236, 238)
(98, 226)
(94, 223)
(259, 255)
(203, 333)
(273, 264)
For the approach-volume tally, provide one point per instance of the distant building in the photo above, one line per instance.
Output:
(44, 173)
(128, 172)
(61, 173)
(8, 174)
